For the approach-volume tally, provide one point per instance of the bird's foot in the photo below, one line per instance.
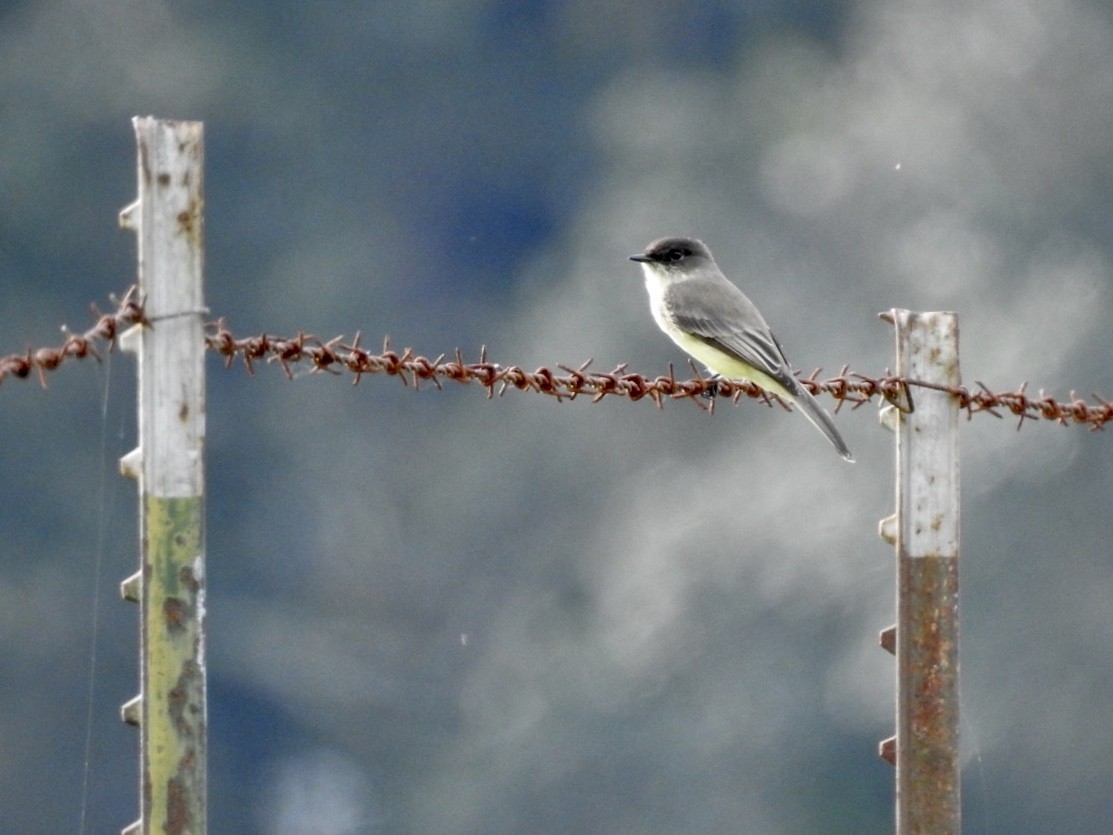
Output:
(712, 391)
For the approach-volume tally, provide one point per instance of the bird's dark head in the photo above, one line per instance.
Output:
(675, 254)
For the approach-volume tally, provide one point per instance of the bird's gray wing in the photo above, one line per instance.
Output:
(717, 312)
(721, 315)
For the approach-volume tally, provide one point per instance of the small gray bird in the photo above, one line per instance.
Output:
(706, 315)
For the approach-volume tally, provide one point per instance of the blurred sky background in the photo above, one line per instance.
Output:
(671, 618)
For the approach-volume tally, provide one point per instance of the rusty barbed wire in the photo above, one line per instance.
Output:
(129, 311)
(336, 356)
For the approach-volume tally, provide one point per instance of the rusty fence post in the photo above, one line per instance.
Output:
(170, 709)
(925, 531)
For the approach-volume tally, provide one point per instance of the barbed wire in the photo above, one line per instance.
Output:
(129, 311)
(336, 356)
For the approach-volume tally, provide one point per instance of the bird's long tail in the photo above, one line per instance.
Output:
(821, 419)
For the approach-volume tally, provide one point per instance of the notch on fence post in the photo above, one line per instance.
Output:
(925, 531)
(170, 709)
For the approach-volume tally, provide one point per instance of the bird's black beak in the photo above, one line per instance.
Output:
(642, 257)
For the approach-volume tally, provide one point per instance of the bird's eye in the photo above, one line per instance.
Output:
(677, 254)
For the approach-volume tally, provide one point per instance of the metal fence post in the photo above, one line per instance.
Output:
(925, 531)
(170, 709)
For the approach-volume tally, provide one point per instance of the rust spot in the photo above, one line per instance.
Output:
(185, 221)
(164, 179)
(183, 412)
(888, 640)
(174, 612)
(186, 715)
(888, 750)
(176, 699)
(185, 577)
(145, 161)
(177, 807)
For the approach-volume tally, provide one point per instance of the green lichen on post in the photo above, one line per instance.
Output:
(175, 677)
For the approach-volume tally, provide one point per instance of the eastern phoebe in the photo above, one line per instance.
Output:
(706, 315)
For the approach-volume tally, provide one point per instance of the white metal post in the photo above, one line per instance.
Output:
(926, 534)
(171, 707)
